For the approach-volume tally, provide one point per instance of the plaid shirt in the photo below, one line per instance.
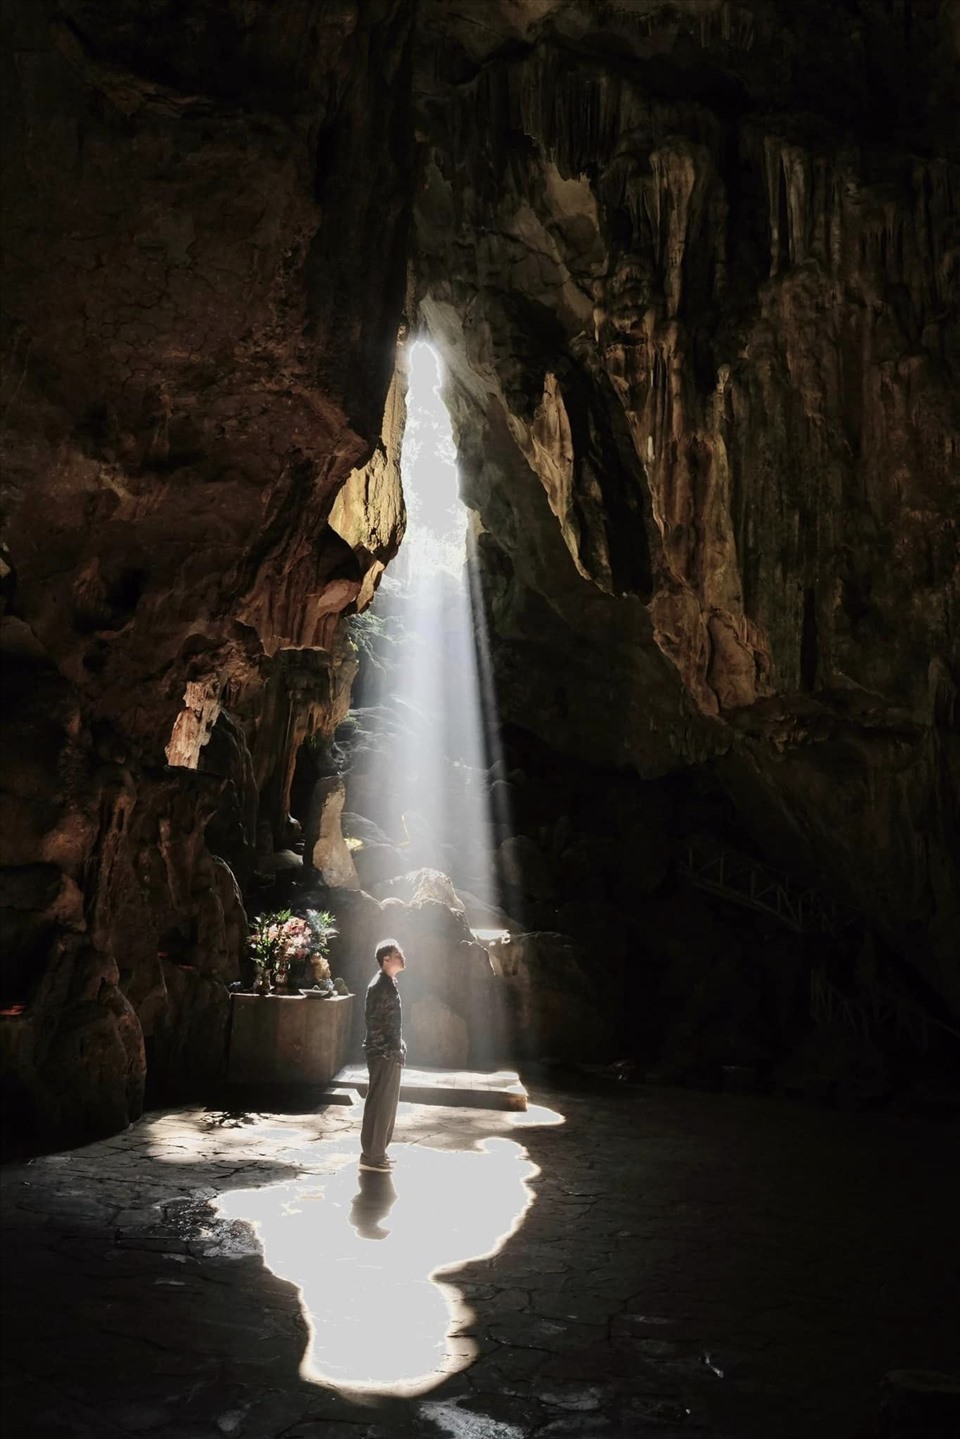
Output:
(382, 1013)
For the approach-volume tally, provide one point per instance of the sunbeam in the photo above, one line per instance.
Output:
(427, 781)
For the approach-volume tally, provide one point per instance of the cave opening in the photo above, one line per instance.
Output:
(420, 739)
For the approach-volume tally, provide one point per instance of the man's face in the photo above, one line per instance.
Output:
(394, 962)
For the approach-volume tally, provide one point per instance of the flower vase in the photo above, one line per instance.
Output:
(262, 985)
(285, 981)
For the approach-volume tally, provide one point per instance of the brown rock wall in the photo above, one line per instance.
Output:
(694, 273)
(179, 418)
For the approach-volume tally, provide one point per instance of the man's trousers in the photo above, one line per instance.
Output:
(379, 1108)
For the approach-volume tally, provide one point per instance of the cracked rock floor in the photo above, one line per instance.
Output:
(618, 1261)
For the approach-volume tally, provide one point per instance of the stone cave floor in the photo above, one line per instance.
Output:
(675, 1263)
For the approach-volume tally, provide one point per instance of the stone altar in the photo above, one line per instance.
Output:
(287, 1038)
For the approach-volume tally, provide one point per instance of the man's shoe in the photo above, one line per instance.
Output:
(383, 1168)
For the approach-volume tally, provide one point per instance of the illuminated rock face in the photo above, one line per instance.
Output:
(693, 271)
(201, 325)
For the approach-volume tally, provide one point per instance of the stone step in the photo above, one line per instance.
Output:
(461, 1088)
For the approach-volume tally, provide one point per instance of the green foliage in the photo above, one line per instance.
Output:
(367, 627)
(281, 939)
(266, 939)
(375, 638)
(323, 926)
(368, 633)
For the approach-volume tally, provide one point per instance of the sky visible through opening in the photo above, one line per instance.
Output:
(435, 541)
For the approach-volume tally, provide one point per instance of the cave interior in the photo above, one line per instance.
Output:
(692, 273)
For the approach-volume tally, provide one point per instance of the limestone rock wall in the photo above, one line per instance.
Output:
(694, 270)
(205, 230)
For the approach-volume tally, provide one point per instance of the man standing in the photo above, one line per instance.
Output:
(385, 1051)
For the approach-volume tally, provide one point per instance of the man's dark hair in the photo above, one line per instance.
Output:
(385, 947)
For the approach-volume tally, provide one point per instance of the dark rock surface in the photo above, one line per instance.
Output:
(698, 300)
(326, 848)
(557, 1005)
(179, 423)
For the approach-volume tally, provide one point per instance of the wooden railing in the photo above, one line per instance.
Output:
(740, 880)
(880, 1006)
(745, 881)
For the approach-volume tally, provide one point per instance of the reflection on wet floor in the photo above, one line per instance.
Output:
(673, 1237)
(365, 1251)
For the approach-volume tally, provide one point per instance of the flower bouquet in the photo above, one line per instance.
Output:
(286, 948)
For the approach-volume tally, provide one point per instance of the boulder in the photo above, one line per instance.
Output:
(483, 916)
(221, 922)
(280, 860)
(264, 844)
(291, 832)
(588, 867)
(445, 965)
(325, 847)
(454, 972)
(355, 826)
(376, 864)
(421, 886)
(555, 1009)
(431, 921)
(360, 928)
(437, 1035)
(522, 868)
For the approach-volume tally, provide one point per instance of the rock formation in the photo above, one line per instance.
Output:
(693, 271)
(197, 366)
(326, 848)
